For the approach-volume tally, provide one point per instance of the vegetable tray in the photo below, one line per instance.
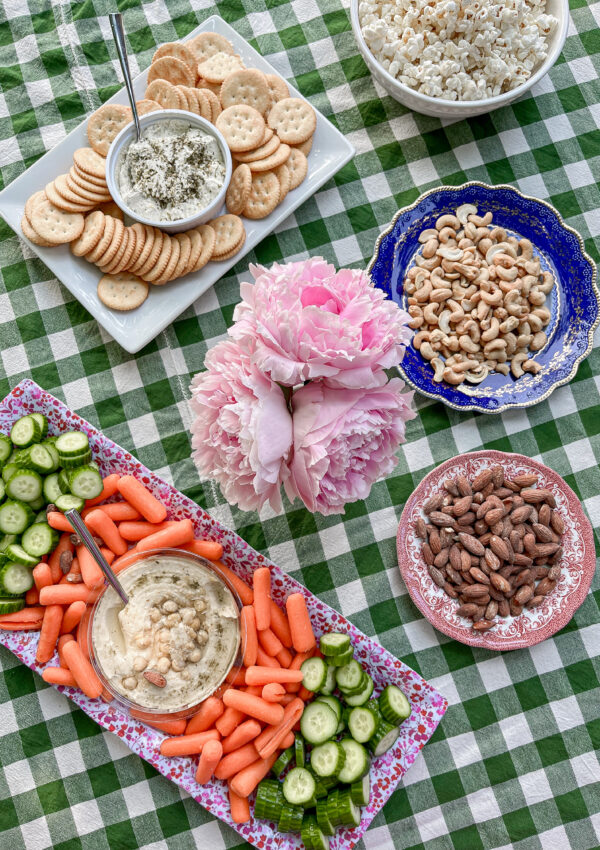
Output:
(428, 706)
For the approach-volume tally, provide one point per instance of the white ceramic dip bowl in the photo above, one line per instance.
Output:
(118, 149)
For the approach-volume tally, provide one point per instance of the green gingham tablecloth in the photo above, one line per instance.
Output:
(513, 763)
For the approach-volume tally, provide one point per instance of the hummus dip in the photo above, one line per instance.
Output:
(172, 173)
(181, 622)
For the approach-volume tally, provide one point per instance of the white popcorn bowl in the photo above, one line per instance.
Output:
(128, 134)
(457, 110)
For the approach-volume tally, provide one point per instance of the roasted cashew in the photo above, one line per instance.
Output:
(420, 338)
(516, 364)
(539, 341)
(536, 297)
(438, 365)
(429, 248)
(467, 344)
(452, 377)
(526, 248)
(481, 221)
(547, 283)
(430, 313)
(447, 221)
(427, 351)
(532, 366)
(426, 235)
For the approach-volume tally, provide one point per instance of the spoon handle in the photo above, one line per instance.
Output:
(116, 23)
(88, 541)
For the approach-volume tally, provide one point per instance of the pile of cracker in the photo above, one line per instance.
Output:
(269, 135)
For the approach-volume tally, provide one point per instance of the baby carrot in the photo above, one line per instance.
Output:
(32, 597)
(288, 741)
(109, 489)
(209, 759)
(240, 808)
(58, 676)
(269, 741)
(230, 718)
(49, 634)
(169, 727)
(280, 625)
(208, 549)
(244, 733)
(134, 531)
(105, 528)
(210, 711)
(273, 692)
(254, 706)
(60, 645)
(82, 670)
(264, 660)
(64, 545)
(27, 618)
(236, 677)
(305, 694)
(109, 555)
(261, 582)
(287, 698)
(244, 592)
(175, 535)
(269, 641)
(284, 657)
(58, 520)
(141, 499)
(72, 616)
(91, 573)
(265, 675)
(303, 636)
(255, 690)
(188, 745)
(236, 761)
(42, 575)
(249, 639)
(244, 782)
(120, 511)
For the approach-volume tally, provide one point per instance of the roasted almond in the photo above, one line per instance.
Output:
(499, 582)
(451, 591)
(557, 523)
(497, 475)
(475, 591)
(523, 594)
(479, 576)
(442, 520)
(483, 625)
(465, 560)
(515, 609)
(471, 543)
(503, 608)
(494, 516)
(544, 514)
(463, 486)
(428, 555)
(65, 561)
(491, 610)
(467, 610)
(441, 559)
(499, 547)
(421, 528)
(525, 480)
(453, 574)
(522, 560)
(450, 485)
(482, 480)
(434, 541)
(545, 586)
(434, 503)
(533, 603)
(519, 515)
(533, 496)
(466, 519)
(542, 532)
(461, 506)
(492, 560)
(436, 576)
(554, 573)
(545, 550)
(155, 678)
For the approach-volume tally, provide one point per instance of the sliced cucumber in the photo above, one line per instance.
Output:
(35, 457)
(318, 723)
(73, 461)
(385, 737)
(39, 539)
(42, 422)
(394, 705)
(312, 836)
(269, 800)
(341, 660)
(299, 786)
(10, 605)
(325, 825)
(329, 686)
(314, 672)
(348, 813)
(85, 482)
(350, 676)
(332, 702)
(363, 695)
(328, 759)
(15, 516)
(25, 485)
(6, 540)
(63, 482)
(40, 517)
(68, 502)
(72, 443)
(51, 449)
(357, 761)
(15, 579)
(8, 471)
(6, 448)
(285, 758)
(299, 750)
(2, 490)
(51, 489)
(290, 819)
(334, 643)
(360, 791)
(16, 553)
(25, 431)
(362, 724)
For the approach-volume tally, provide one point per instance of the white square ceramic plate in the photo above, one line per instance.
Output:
(330, 152)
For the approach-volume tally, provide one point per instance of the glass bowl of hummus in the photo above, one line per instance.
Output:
(176, 640)
(176, 176)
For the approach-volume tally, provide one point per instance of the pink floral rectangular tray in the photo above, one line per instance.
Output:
(428, 706)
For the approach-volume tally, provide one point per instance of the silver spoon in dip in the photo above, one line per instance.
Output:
(88, 541)
(116, 24)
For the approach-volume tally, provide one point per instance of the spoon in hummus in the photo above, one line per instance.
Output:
(88, 541)
(116, 24)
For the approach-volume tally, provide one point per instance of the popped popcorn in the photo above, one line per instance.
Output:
(457, 49)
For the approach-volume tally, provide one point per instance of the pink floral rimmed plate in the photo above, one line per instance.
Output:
(428, 705)
(533, 625)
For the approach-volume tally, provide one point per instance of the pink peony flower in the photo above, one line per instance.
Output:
(309, 321)
(344, 440)
(242, 431)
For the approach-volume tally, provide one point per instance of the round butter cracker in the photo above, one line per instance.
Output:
(229, 230)
(109, 231)
(172, 70)
(54, 225)
(283, 175)
(166, 95)
(220, 65)
(122, 291)
(266, 149)
(238, 189)
(105, 125)
(146, 242)
(31, 234)
(249, 86)
(242, 126)
(277, 87)
(88, 161)
(293, 120)
(185, 250)
(32, 201)
(178, 51)
(209, 238)
(206, 44)
(271, 162)
(162, 260)
(297, 165)
(93, 229)
(146, 105)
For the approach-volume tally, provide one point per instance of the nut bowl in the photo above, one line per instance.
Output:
(457, 110)
(574, 302)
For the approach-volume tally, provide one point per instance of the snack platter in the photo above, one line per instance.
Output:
(428, 706)
(330, 152)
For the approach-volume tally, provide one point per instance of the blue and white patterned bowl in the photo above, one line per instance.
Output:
(574, 302)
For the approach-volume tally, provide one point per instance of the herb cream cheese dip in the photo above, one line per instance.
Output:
(172, 173)
(181, 622)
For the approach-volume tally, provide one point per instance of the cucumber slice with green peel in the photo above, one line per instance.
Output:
(363, 695)
(299, 750)
(15, 516)
(332, 702)
(318, 723)
(72, 443)
(2, 490)
(348, 813)
(357, 761)
(385, 737)
(329, 686)
(269, 800)
(327, 759)
(5, 542)
(15, 579)
(360, 791)
(349, 677)
(6, 448)
(285, 758)
(8, 471)
(39, 539)
(51, 489)
(362, 724)
(38, 503)
(312, 836)
(341, 660)
(25, 485)
(40, 517)
(16, 553)
(85, 482)
(73, 461)
(394, 705)
(334, 643)
(42, 422)
(290, 819)
(9, 605)
(63, 482)
(25, 431)
(340, 727)
(68, 502)
(325, 825)
(36, 457)
(299, 786)
(314, 672)
(51, 449)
